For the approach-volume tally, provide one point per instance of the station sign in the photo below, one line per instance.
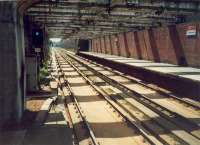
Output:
(191, 31)
(37, 50)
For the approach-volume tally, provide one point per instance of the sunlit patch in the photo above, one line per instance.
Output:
(55, 40)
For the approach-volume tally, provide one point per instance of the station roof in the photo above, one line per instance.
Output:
(87, 19)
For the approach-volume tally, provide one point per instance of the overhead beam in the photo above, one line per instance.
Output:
(83, 25)
(98, 23)
(170, 5)
(178, 5)
(119, 16)
(105, 17)
(91, 19)
(107, 29)
(96, 20)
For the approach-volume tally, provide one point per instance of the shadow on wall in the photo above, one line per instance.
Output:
(169, 44)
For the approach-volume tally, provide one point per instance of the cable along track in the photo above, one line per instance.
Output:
(104, 121)
(156, 111)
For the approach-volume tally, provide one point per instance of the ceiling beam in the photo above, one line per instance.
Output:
(170, 5)
(93, 24)
(107, 29)
(106, 17)
(71, 18)
(69, 24)
(148, 20)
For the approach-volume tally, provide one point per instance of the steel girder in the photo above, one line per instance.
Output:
(114, 16)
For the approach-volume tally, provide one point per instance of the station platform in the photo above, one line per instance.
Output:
(184, 81)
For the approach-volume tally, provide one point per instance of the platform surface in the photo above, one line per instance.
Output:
(54, 131)
(165, 68)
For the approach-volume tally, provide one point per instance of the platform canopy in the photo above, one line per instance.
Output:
(87, 19)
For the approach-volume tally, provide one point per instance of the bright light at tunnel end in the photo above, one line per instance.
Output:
(55, 40)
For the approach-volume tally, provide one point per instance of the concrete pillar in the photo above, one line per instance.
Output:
(105, 45)
(94, 45)
(137, 45)
(122, 50)
(111, 45)
(117, 43)
(152, 45)
(131, 44)
(126, 45)
(177, 47)
(100, 47)
(90, 45)
(12, 78)
(114, 43)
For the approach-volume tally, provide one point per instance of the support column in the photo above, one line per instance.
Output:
(111, 45)
(117, 45)
(103, 50)
(137, 44)
(153, 46)
(95, 45)
(126, 45)
(12, 78)
(100, 47)
(105, 45)
(122, 50)
(176, 44)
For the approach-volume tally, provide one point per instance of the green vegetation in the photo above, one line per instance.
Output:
(44, 74)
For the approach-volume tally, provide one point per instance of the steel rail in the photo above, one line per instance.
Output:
(94, 140)
(177, 119)
(174, 134)
(106, 97)
(170, 95)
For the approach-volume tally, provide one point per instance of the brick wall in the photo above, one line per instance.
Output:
(167, 44)
(102, 45)
(122, 48)
(190, 46)
(108, 45)
(98, 45)
(148, 45)
(164, 45)
(142, 44)
(115, 46)
(131, 46)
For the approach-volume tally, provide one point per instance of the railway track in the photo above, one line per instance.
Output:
(160, 118)
(159, 90)
(100, 129)
(170, 103)
(77, 121)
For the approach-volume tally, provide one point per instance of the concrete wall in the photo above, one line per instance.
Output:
(167, 44)
(32, 74)
(12, 64)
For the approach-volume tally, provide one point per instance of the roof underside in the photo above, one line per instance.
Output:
(87, 19)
